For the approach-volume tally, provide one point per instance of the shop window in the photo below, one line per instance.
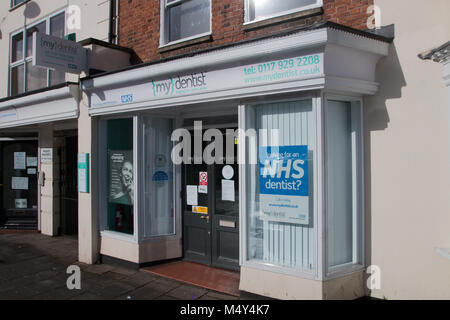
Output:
(343, 183)
(279, 184)
(23, 76)
(259, 10)
(159, 211)
(185, 19)
(118, 212)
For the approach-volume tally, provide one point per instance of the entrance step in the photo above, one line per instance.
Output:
(221, 280)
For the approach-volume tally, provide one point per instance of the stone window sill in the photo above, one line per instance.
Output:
(185, 43)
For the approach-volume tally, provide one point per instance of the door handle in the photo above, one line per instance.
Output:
(205, 218)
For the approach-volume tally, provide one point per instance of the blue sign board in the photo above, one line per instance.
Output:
(283, 183)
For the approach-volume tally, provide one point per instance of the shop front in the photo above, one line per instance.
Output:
(35, 161)
(247, 157)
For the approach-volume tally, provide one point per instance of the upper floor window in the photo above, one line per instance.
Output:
(264, 9)
(15, 3)
(23, 76)
(185, 19)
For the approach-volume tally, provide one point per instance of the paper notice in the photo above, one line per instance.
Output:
(228, 190)
(31, 161)
(19, 183)
(31, 171)
(191, 195)
(20, 160)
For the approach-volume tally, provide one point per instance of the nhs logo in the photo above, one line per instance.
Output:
(126, 98)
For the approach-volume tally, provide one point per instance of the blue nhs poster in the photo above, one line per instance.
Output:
(283, 183)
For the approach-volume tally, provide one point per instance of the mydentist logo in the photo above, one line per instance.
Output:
(179, 85)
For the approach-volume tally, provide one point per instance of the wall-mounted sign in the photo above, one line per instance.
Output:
(7, 115)
(198, 83)
(59, 54)
(283, 183)
(46, 155)
(203, 186)
(83, 172)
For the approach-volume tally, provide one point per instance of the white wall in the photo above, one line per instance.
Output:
(407, 156)
(94, 24)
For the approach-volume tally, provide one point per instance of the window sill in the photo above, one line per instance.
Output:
(19, 5)
(118, 236)
(251, 25)
(185, 42)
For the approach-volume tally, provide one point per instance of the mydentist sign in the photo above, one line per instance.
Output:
(59, 54)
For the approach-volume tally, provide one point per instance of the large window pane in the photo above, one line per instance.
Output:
(36, 77)
(17, 81)
(38, 28)
(17, 47)
(57, 25)
(187, 19)
(280, 224)
(261, 9)
(341, 183)
(120, 176)
(159, 215)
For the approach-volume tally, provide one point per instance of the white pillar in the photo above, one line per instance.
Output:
(50, 209)
(88, 230)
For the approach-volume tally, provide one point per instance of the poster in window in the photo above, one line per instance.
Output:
(283, 183)
(121, 177)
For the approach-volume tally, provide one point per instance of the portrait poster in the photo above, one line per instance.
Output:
(121, 176)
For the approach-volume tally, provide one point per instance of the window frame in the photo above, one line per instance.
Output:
(315, 273)
(164, 24)
(13, 6)
(321, 271)
(24, 60)
(247, 21)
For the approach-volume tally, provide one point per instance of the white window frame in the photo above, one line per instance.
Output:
(316, 272)
(26, 59)
(15, 5)
(247, 21)
(358, 246)
(321, 271)
(163, 35)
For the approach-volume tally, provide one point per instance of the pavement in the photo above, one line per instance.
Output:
(34, 267)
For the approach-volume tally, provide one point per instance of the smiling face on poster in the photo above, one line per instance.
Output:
(121, 177)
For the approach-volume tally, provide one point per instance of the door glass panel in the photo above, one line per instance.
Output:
(159, 216)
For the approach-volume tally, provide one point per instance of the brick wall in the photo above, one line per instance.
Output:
(139, 24)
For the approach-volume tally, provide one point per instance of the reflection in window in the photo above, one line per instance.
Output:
(260, 9)
(187, 18)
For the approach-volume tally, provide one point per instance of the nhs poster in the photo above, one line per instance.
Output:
(283, 183)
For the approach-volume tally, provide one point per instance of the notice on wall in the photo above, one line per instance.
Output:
(203, 186)
(191, 195)
(46, 155)
(20, 160)
(31, 171)
(32, 162)
(21, 203)
(121, 177)
(228, 190)
(283, 183)
(19, 183)
(83, 172)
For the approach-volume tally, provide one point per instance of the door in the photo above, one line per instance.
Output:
(18, 184)
(211, 212)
